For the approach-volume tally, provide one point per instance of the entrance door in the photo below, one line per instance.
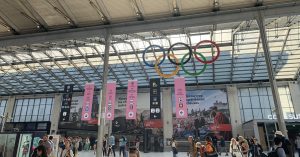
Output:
(153, 140)
(262, 136)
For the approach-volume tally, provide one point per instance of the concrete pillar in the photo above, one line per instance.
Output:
(55, 113)
(234, 109)
(167, 115)
(295, 95)
(10, 107)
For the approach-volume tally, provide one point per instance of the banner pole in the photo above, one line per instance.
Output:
(101, 125)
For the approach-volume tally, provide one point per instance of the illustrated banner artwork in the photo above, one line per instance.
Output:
(66, 103)
(87, 101)
(208, 115)
(110, 100)
(131, 99)
(180, 97)
(155, 110)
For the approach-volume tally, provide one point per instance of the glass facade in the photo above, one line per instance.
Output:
(2, 106)
(32, 109)
(257, 103)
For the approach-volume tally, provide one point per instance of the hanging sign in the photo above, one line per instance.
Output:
(131, 102)
(180, 97)
(87, 101)
(110, 100)
(155, 110)
(66, 103)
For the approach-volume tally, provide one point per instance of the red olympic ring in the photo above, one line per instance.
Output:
(214, 58)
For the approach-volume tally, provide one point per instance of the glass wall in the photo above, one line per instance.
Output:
(32, 110)
(2, 106)
(257, 103)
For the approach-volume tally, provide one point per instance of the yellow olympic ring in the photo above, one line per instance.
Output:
(166, 75)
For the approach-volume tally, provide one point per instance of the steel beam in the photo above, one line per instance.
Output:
(282, 49)
(75, 66)
(270, 11)
(89, 63)
(277, 103)
(64, 71)
(38, 74)
(101, 111)
(10, 23)
(68, 11)
(192, 58)
(109, 67)
(255, 59)
(120, 58)
(26, 76)
(233, 40)
(28, 7)
(141, 65)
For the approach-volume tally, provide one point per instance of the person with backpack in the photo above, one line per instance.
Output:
(222, 145)
(210, 150)
(174, 147)
(277, 151)
(244, 146)
(234, 148)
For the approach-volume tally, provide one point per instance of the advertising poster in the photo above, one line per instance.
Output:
(208, 115)
(180, 97)
(123, 126)
(87, 101)
(131, 99)
(110, 100)
(24, 145)
(74, 121)
(155, 109)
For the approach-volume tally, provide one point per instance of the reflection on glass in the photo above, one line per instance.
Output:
(24, 145)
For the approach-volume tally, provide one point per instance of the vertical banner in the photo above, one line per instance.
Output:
(110, 100)
(180, 97)
(66, 103)
(155, 110)
(131, 101)
(87, 101)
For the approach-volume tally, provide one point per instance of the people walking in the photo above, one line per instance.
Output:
(122, 143)
(256, 148)
(104, 148)
(111, 145)
(234, 148)
(67, 152)
(174, 147)
(278, 150)
(87, 144)
(286, 145)
(244, 146)
(210, 150)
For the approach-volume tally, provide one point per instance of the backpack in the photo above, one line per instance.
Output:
(273, 153)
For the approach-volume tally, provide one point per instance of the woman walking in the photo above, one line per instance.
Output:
(234, 148)
(87, 144)
(123, 142)
(174, 147)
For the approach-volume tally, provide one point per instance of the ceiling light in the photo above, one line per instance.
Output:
(69, 22)
(38, 26)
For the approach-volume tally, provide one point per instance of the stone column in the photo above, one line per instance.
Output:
(55, 113)
(167, 115)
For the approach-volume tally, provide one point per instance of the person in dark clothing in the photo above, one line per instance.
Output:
(256, 148)
(215, 142)
(286, 144)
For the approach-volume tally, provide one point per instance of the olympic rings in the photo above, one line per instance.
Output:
(213, 58)
(166, 75)
(146, 50)
(196, 73)
(190, 53)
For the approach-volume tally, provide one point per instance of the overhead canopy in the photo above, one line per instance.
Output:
(44, 62)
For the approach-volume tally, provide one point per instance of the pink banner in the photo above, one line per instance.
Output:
(87, 102)
(110, 100)
(180, 98)
(131, 99)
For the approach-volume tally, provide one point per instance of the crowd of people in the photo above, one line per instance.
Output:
(238, 147)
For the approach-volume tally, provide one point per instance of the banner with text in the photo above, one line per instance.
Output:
(87, 101)
(131, 99)
(180, 97)
(155, 110)
(66, 103)
(110, 100)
